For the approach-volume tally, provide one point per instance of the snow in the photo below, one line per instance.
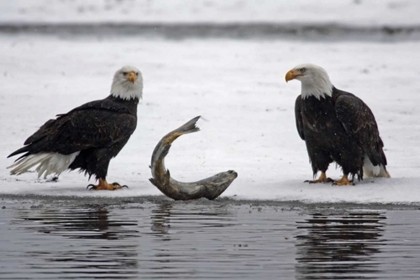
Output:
(354, 12)
(237, 86)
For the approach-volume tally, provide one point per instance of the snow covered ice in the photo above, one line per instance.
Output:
(238, 88)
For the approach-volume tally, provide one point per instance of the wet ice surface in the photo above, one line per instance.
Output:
(162, 239)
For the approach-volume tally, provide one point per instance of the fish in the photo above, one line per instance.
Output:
(210, 188)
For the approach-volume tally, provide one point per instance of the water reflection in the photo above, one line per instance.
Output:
(104, 248)
(183, 235)
(180, 240)
(161, 220)
(339, 246)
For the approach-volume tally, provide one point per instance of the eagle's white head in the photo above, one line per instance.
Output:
(314, 79)
(127, 83)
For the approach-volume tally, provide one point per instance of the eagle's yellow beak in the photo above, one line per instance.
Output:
(132, 77)
(291, 75)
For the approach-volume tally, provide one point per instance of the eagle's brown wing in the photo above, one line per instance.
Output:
(88, 126)
(298, 117)
(359, 122)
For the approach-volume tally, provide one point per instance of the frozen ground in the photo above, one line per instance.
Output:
(237, 87)
(349, 12)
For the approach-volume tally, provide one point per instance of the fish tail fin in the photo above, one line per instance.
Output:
(189, 127)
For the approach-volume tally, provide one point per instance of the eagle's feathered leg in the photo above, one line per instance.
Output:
(104, 185)
(344, 181)
(321, 179)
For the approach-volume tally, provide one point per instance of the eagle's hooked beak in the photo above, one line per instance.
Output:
(132, 77)
(291, 75)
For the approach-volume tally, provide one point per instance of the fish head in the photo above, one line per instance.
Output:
(225, 177)
(219, 183)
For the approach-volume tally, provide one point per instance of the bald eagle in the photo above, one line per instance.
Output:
(336, 126)
(87, 137)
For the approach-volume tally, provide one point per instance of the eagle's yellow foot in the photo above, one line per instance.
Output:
(321, 179)
(343, 182)
(104, 185)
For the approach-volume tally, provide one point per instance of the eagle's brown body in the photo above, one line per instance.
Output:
(339, 128)
(98, 130)
(87, 137)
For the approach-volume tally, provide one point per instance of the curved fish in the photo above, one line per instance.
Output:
(209, 188)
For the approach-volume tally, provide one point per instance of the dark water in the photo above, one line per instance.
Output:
(176, 240)
(244, 30)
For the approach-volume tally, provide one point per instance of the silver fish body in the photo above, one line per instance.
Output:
(210, 188)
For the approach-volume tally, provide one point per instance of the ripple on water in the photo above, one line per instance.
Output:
(175, 240)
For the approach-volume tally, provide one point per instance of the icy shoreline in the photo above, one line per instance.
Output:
(36, 201)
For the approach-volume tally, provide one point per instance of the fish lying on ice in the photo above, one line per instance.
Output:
(209, 188)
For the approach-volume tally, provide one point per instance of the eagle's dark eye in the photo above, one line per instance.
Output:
(302, 70)
(124, 73)
(137, 74)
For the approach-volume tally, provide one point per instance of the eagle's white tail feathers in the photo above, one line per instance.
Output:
(371, 171)
(24, 164)
(49, 163)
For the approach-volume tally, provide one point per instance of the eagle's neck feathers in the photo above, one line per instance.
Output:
(318, 86)
(318, 90)
(126, 90)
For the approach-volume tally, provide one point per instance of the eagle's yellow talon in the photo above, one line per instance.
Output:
(104, 185)
(344, 181)
(321, 179)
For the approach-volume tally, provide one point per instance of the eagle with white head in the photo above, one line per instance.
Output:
(336, 126)
(87, 137)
